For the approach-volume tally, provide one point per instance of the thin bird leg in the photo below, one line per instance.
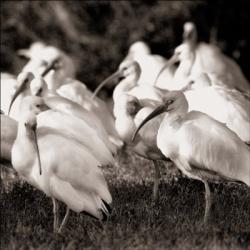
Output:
(208, 201)
(156, 180)
(56, 214)
(65, 219)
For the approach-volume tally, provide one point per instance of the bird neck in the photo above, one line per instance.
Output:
(185, 67)
(173, 120)
(124, 86)
(24, 133)
(23, 151)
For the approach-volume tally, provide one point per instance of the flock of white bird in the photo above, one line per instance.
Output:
(57, 133)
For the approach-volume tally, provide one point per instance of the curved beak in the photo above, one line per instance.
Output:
(19, 90)
(168, 64)
(159, 110)
(114, 77)
(53, 65)
(33, 128)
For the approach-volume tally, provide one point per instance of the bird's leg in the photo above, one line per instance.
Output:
(65, 219)
(56, 214)
(208, 201)
(156, 181)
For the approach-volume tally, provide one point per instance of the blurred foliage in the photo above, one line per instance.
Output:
(97, 34)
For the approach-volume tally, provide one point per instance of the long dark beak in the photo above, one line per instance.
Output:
(159, 110)
(37, 149)
(114, 77)
(22, 87)
(19, 90)
(168, 64)
(53, 65)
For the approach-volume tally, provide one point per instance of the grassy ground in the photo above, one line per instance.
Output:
(175, 222)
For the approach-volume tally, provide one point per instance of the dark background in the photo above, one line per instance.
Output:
(97, 34)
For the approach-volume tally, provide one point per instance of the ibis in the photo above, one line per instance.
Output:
(67, 173)
(201, 147)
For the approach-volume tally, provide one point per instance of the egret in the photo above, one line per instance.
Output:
(201, 147)
(76, 181)
(196, 58)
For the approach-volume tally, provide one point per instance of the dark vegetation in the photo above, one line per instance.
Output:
(98, 33)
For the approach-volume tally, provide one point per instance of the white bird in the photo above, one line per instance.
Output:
(73, 119)
(229, 106)
(196, 58)
(130, 71)
(8, 85)
(60, 82)
(41, 56)
(132, 103)
(201, 147)
(78, 92)
(150, 65)
(131, 113)
(70, 172)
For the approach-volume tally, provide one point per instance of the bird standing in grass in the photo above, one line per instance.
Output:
(67, 173)
(130, 113)
(132, 103)
(201, 147)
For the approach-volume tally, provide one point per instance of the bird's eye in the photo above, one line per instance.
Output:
(38, 106)
(170, 101)
(44, 63)
(39, 92)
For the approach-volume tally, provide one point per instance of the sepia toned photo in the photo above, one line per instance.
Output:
(125, 125)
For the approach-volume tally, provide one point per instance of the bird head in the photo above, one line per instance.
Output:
(174, 102)
(38, 87)
(126, 105)
(23, 81)
(128, 69)
(131, 70)
(139, 48)
(33, 104)
(190, 33)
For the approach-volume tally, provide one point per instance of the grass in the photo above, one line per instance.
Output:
(174, 222)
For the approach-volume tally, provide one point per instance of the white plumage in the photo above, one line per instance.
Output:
(196, 58)
(201, 147)
(70, 171)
